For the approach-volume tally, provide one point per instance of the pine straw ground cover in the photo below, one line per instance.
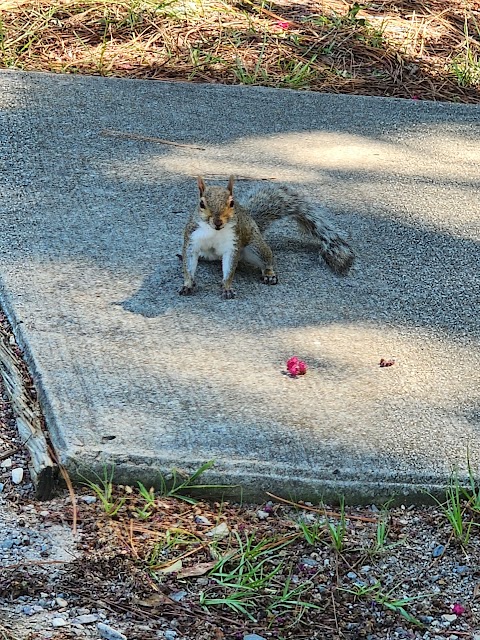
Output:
(426, 49)
(213, 571)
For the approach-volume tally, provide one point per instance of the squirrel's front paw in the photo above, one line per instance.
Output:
(187, 291)
(228, 294)
(269, 278)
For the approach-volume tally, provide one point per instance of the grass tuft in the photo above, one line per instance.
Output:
(104, 490)
(455, 506)
(249, 577)
(376, 594)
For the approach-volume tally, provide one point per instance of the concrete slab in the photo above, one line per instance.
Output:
(129, 372)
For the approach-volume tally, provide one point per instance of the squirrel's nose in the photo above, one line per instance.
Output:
(218, 226)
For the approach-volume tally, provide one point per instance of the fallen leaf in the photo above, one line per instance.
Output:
(218, 532)
(199, 569)
(155, 600)
(170, 568)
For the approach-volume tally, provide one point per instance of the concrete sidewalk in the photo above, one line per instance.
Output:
(130, 373)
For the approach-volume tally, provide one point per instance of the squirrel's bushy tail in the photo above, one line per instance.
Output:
(273, 203)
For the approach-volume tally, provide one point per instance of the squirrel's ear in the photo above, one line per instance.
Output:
(231, 180)
(201, 185)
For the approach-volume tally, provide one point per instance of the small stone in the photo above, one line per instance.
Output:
(6, 464)
(87, 618)
(82, 611)
(88, 499)
(58, 622)
(178, 595)
(61, 602)
(426, 619)
(461, 569)
(351, 575)
(253, 636)
(30, 610)
(438, 551)
(44, 514)
(170, 634)
(7, 543)
(262, 515)
(17, 475)
(109, 632)
(202, 520)
(309, 562)
(365, 569)
(2, 486)
(449, 617)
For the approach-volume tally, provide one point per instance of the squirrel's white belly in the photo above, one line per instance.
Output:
(213, 244)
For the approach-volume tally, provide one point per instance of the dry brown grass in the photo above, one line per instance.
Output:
(425, 50)
(410, 49)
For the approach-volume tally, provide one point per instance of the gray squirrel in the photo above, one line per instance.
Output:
(222, 229)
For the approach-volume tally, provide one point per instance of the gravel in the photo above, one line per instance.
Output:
(109, 632)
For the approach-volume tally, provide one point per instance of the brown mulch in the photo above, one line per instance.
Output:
(425, 50)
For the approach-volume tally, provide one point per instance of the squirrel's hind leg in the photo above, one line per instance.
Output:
(261, 257)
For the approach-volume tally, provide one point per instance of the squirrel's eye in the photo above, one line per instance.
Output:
(202, 204)
(232, 203)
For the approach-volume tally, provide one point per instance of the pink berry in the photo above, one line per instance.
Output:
(296, 367)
